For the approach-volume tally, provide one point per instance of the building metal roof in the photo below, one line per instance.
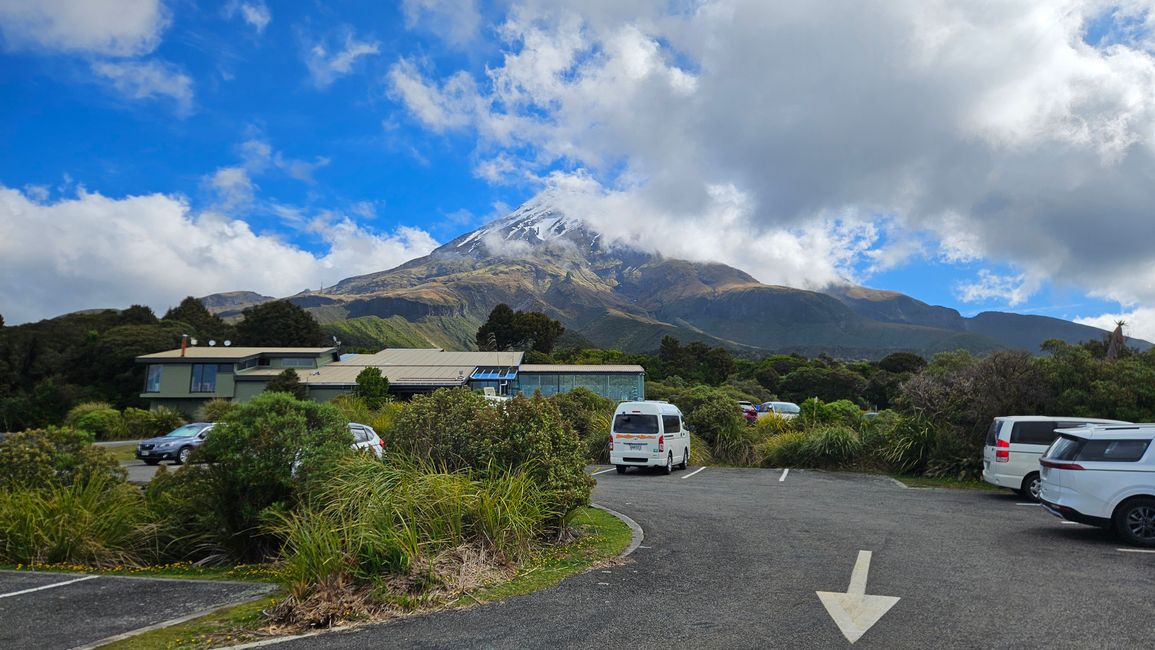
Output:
(222, 353)
(336, 374)
(533, 367)
(435, 357)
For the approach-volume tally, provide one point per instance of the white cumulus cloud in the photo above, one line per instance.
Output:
(91, 251)
(254, 12)
(104, 27)
(1006, 133)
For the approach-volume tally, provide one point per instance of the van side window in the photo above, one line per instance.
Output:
(671, 423)
(1125, 451)
(1033, 433)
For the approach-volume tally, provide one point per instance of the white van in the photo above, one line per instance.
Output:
(1014, 445)
(649, 434)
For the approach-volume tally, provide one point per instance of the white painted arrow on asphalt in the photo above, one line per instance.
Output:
(854, 611)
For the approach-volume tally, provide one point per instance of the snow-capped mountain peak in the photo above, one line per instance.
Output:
(537, 222)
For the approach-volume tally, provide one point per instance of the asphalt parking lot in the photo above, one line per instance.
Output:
(43, 611)
(735, 558)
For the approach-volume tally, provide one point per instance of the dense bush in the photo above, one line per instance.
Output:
(591, 416)
(260, 455)
(40, 458)
(214, 410)
(96, 522)
(459, 429)
(97, 418)
(404, 524)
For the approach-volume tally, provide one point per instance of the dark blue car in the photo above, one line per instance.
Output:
(176, 445)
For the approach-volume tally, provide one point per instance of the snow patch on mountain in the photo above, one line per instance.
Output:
(534, 224)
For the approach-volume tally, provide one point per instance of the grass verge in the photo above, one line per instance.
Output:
(121, 452)
(182, 570)
(923, 481)
(228, 626)
(600, 537)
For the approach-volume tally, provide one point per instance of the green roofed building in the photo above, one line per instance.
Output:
(186, 379)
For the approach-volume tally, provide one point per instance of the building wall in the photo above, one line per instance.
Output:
(615, 386)
(176, 379)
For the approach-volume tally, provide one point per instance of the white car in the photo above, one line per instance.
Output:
(781, 409)
(1104, 476)
(364, 437)
(1016, 442)
(649, 434)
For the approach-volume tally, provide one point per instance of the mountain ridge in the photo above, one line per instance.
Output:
(537, 258)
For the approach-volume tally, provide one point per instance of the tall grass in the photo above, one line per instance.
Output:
(373, 520)
(97, 522)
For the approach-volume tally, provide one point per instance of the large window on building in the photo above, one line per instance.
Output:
(152, 379)
(296, 362)
(204, 378)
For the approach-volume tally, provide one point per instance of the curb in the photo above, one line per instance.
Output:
(637, 534)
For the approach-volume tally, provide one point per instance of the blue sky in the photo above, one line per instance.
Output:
(160, 148)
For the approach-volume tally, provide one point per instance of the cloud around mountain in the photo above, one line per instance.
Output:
(821, 140)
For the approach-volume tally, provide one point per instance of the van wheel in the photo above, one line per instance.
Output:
(669, 468)
(685, 459)
(621, 469)
(1032, 487)
(1135, 521)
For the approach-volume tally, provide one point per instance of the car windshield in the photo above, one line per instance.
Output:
(187, 431)
(635, 423)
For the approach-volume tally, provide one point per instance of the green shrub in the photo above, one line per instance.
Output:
(164, 420)
(259, 456)
(910, 443)
(591, 416)
(99, 522)
(40, 458)
(459, 429)
(700, 453)
(736, 446)
(832, 446)
(373, 523)
(783, 450)
(214, 410)
(97, 418)
(772, 424)
(710, 413)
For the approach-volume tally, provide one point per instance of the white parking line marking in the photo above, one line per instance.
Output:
(784, 473)
(693, 473)
(1136, 550)
(1069, 523)
(602, 472)
(51, 586)
(1027, 504)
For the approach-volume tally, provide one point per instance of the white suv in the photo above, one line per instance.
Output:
(1016, 442)
(1104, 476)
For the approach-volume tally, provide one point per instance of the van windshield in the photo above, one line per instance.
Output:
(635, 423)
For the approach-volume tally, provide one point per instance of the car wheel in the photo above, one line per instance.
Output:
(669, 468)
(152, 463)
(685, 458)
(183, 455)
(1135, 521)
(621, 469)
(1032, 487)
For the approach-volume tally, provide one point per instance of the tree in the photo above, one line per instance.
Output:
(204, 323)
(506, 329)
(899, 362)
(535, 331)
(279, 323)
(767, 377)
(138, 315)
(372, 387)
(287, 382)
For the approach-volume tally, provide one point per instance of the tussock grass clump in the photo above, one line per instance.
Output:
(96, 522)
(406, 530)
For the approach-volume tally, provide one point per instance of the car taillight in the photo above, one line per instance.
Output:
(1003, 451)
(1054, 465)
(661, 443)
(381, 442)
(611, 443)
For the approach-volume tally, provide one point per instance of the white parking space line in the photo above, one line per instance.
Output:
(1027, 504)
(1136, 550)
(603, 471)
(51, 586)
(784, 473)
(1070, 523)
(693, 473)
